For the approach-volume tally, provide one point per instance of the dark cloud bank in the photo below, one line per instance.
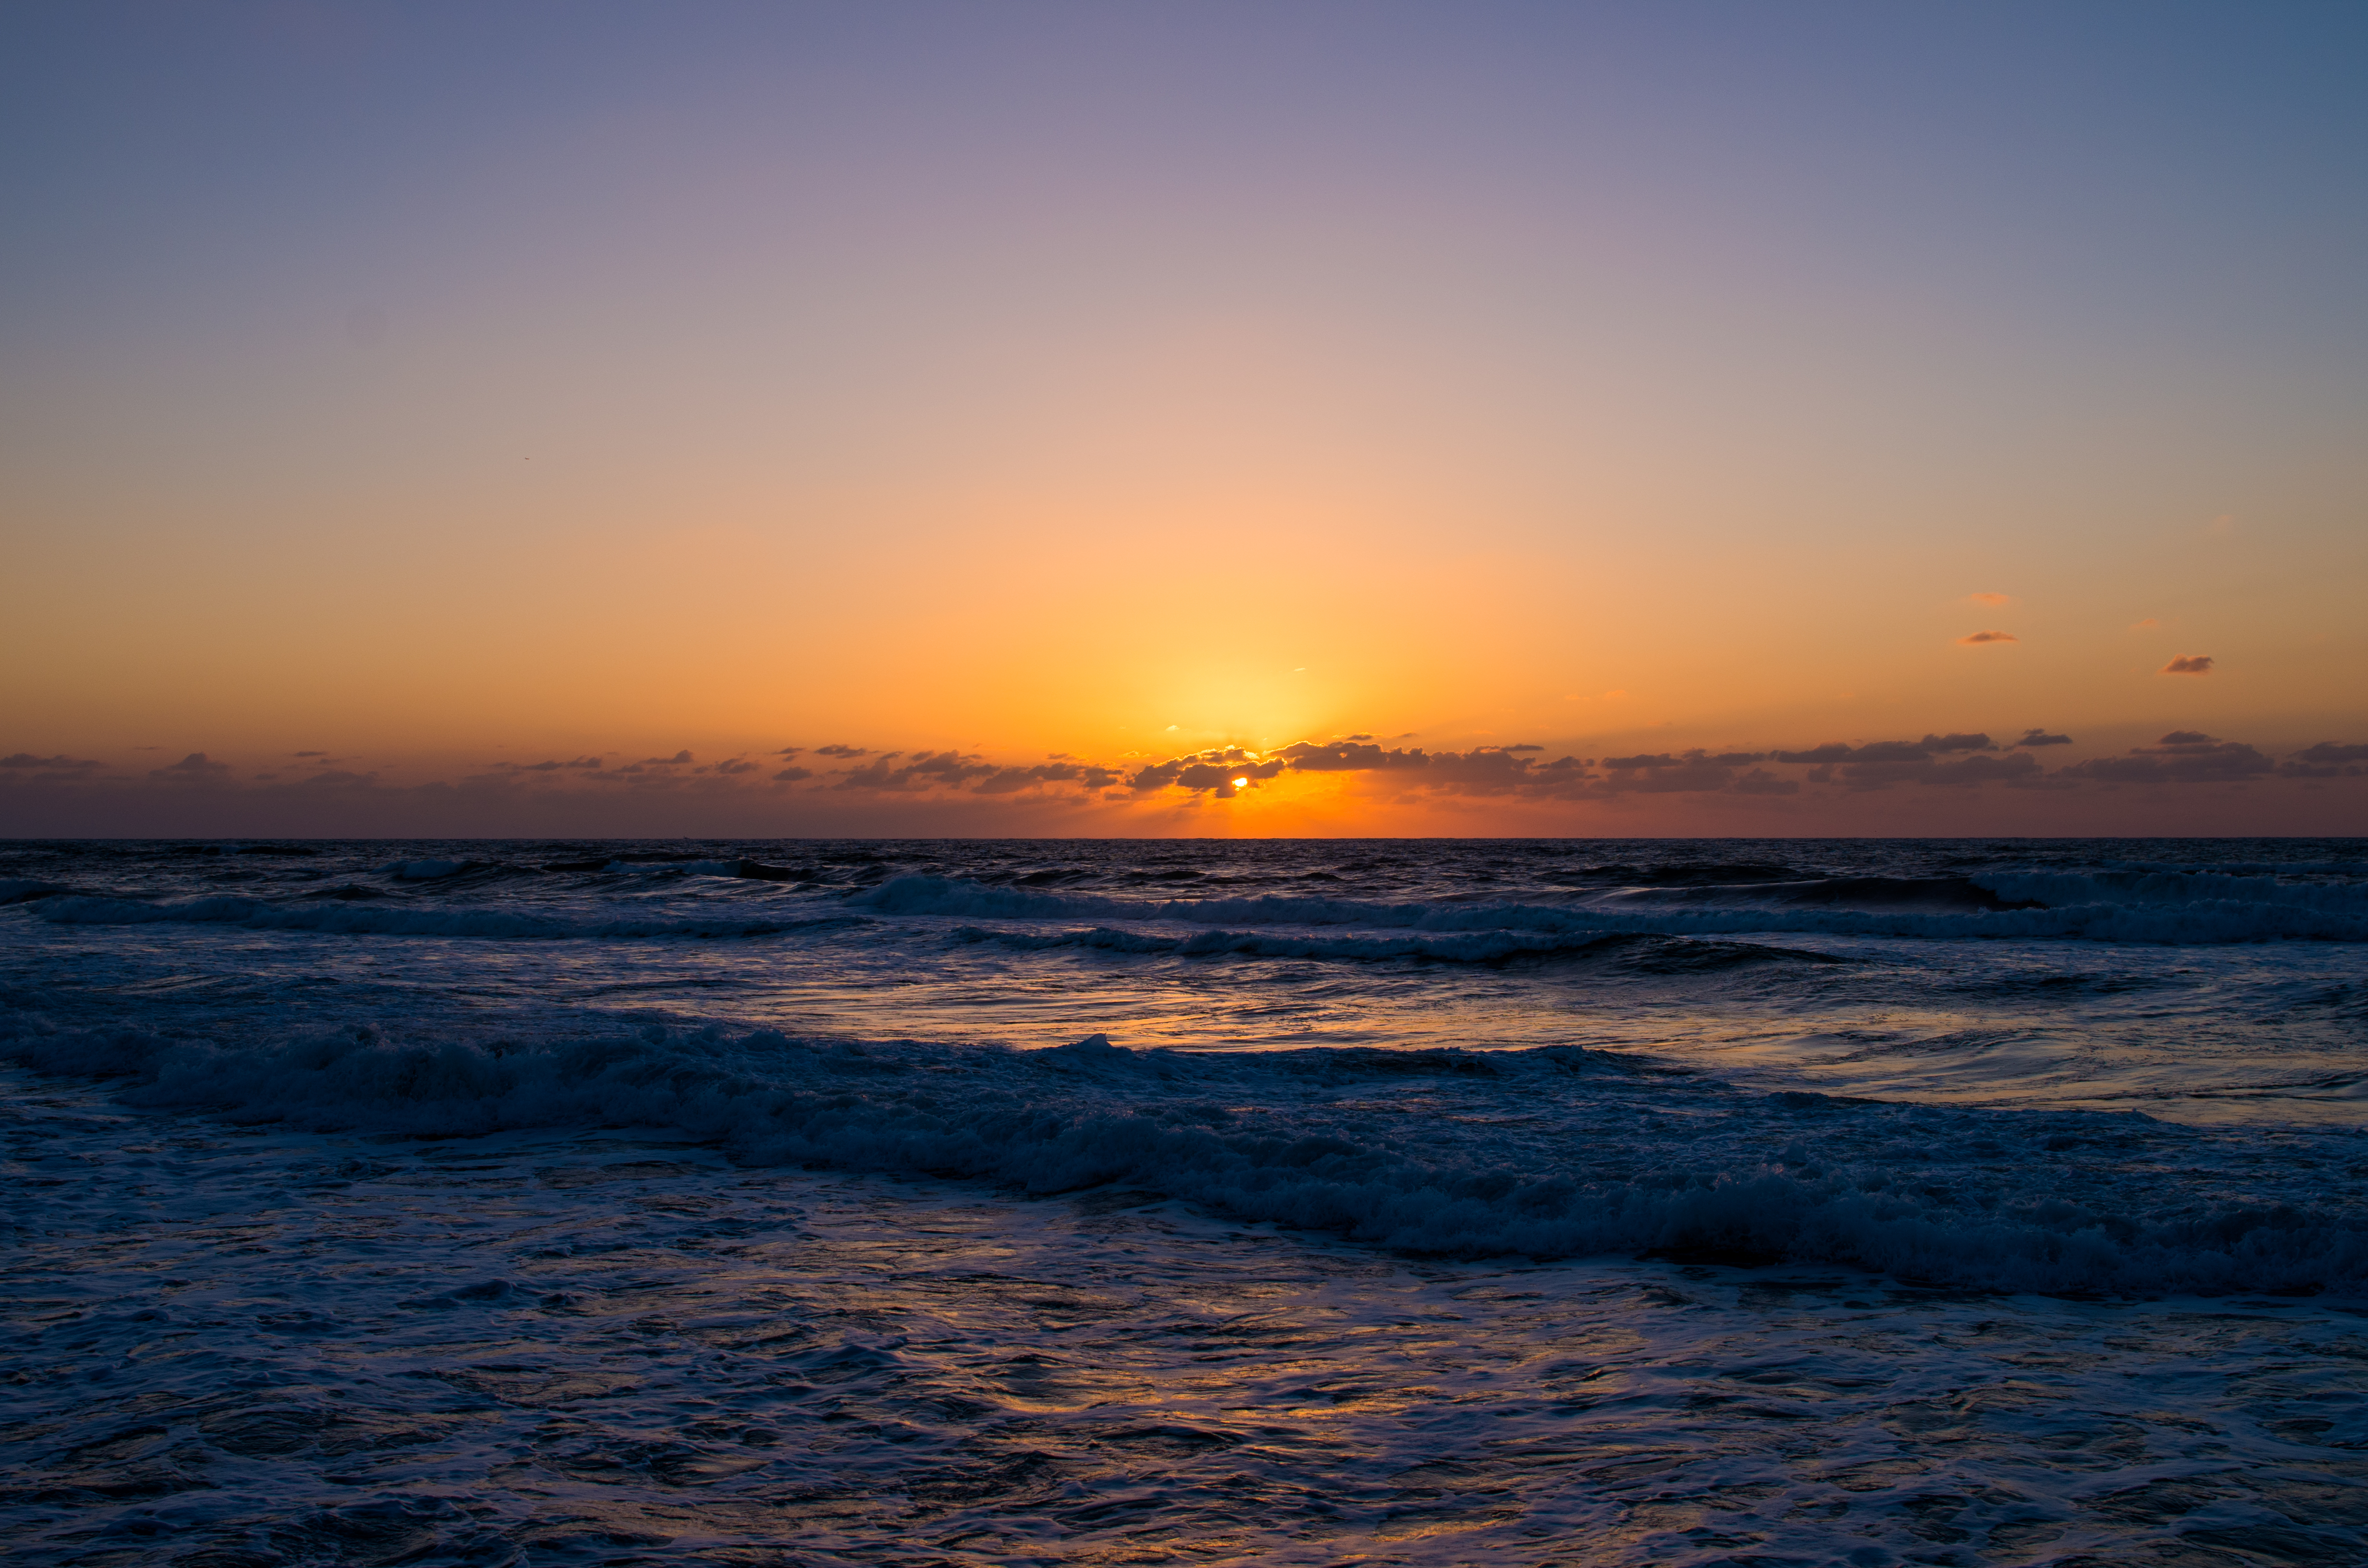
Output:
(858, 789)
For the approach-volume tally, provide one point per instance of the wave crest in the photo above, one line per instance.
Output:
(1550, 1153)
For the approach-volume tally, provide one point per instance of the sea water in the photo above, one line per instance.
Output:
(1392, 1202)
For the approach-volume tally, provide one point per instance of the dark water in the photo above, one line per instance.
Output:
(1397, 1201)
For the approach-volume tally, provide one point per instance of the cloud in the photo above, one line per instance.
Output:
(952, 770)
(1483, 771)
(1879, 764)
(840, 750)
(2188, 664)
(2183, 756)
(1988, 637)
(1993, 600)
(792, 775)
(788, 751)
(52, 766)
(1214, 770)
(735, 764)
(548, 765)
(1693, 772)
(308, 754)
(1888, 751)
(2148, 624)
(677, 758)
(194, 768)
(2041, 738)
(2327, 759)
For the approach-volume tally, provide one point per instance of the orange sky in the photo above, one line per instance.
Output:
(1119, 392)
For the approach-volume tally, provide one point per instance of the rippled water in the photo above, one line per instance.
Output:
(1580, 1202)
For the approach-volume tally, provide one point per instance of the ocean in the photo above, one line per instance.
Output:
(1425, 1201)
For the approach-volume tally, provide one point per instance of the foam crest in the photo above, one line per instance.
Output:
(1556, 1152)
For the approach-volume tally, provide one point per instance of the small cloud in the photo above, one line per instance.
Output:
(2148, 624)
(1173, 728)
(308, 754)
(788, 751)
(1525, 748)
(1361, 737)
(2041, 738)
(735, 764)
(679, 757)
(842, 751)
(2188, 664)
(1300, 671)
(195, 767)
(1988, 637)
(792, 775)
(1991, 600)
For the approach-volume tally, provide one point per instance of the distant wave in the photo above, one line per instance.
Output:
(1548, 1152)
(1661, 953)
(2099, 908)
(378, 920)
(2117, 906)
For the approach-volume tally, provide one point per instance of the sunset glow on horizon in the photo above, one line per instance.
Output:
(1047, 419)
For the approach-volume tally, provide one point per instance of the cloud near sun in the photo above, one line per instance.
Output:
(1515, 773)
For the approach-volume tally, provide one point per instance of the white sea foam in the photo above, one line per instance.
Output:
(1544, 1152)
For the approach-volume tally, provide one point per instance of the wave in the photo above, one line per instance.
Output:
(1548, 1152)
(2157, 887)
(1660, 954)
(2244, 910)
(377, 920)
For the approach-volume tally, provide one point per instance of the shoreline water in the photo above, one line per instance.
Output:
(366, 1244)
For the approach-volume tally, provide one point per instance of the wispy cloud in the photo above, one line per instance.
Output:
(1989, 637)
(1993, 600)
(24, 761)
(2188, 664)
(2041, 738)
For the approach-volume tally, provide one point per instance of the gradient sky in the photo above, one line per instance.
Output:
(396, 397)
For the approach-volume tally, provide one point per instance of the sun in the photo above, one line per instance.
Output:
(1241, 783)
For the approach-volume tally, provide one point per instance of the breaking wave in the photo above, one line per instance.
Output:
(1555, 1152)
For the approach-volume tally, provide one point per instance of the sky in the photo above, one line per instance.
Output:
(1183, 419)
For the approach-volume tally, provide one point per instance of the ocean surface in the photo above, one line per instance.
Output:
(740, 1202)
